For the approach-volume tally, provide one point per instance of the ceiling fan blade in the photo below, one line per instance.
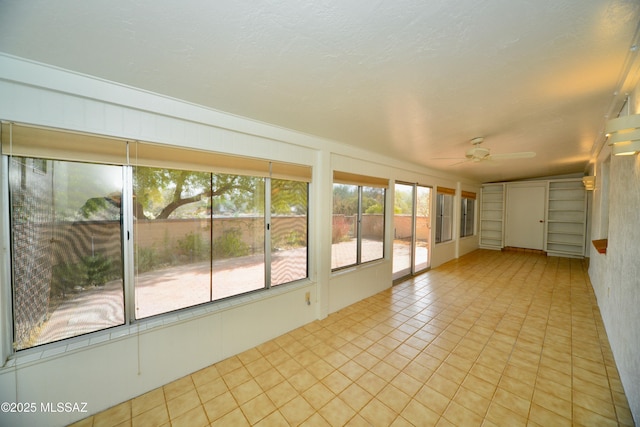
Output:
(460, 162)
(491, 163)
(508, 156)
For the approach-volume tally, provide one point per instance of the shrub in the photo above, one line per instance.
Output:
(292, 239)
(297, 239)
(99, 269)
(66, 276)
(230, 244)
(146, 259)
(92, 270)
(194, 247)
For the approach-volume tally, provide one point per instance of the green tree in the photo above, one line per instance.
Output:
(372, 200)
(161, 193)
(345, 199)
(403, 202)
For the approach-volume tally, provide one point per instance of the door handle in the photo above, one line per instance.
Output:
(542, 220)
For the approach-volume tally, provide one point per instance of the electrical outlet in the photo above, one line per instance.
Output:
(307, 298)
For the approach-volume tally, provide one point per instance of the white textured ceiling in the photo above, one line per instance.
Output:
(410, 79)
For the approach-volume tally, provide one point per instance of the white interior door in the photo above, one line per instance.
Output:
(525, 215)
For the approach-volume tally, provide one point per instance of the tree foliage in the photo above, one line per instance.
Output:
(372, 200)
(165, 193)
(345, 199)
(403, 202)
(160, 192)
(289, 197)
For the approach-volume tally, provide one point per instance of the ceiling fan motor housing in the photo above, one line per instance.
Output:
(477, 153)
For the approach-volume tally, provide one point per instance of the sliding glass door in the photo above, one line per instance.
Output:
(412, 229)
(403, 230)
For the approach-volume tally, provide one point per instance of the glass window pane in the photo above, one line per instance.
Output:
(467, 217)
(289, 203)
(344, 230)
(470, 217)
(66, 249)
(447, 218)
(444, 217)
(238, 235)
(372, 224)
(172, 240)
(463, 217)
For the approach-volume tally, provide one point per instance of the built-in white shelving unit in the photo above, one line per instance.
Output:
(492, 216)
(566, 218)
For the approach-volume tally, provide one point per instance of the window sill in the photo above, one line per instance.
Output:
(447, 242)
(351, 268)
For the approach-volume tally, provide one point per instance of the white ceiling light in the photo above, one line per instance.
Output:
(589, 182)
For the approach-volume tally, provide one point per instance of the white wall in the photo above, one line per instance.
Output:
(616, 276)
(111, 366)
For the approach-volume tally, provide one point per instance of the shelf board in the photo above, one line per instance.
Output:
(568, 233)
(552, 242)
(578, 255)
(565, 250)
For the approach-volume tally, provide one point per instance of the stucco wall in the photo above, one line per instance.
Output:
(616, 275)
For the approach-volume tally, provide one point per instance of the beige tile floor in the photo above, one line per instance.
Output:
(491, 339)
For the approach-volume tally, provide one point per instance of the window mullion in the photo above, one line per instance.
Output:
(6, 297)
(359, 230)
(267, 232)
(464, 218)
(128, 268)
(211, 238)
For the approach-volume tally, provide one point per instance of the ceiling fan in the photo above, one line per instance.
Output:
(481, 154)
